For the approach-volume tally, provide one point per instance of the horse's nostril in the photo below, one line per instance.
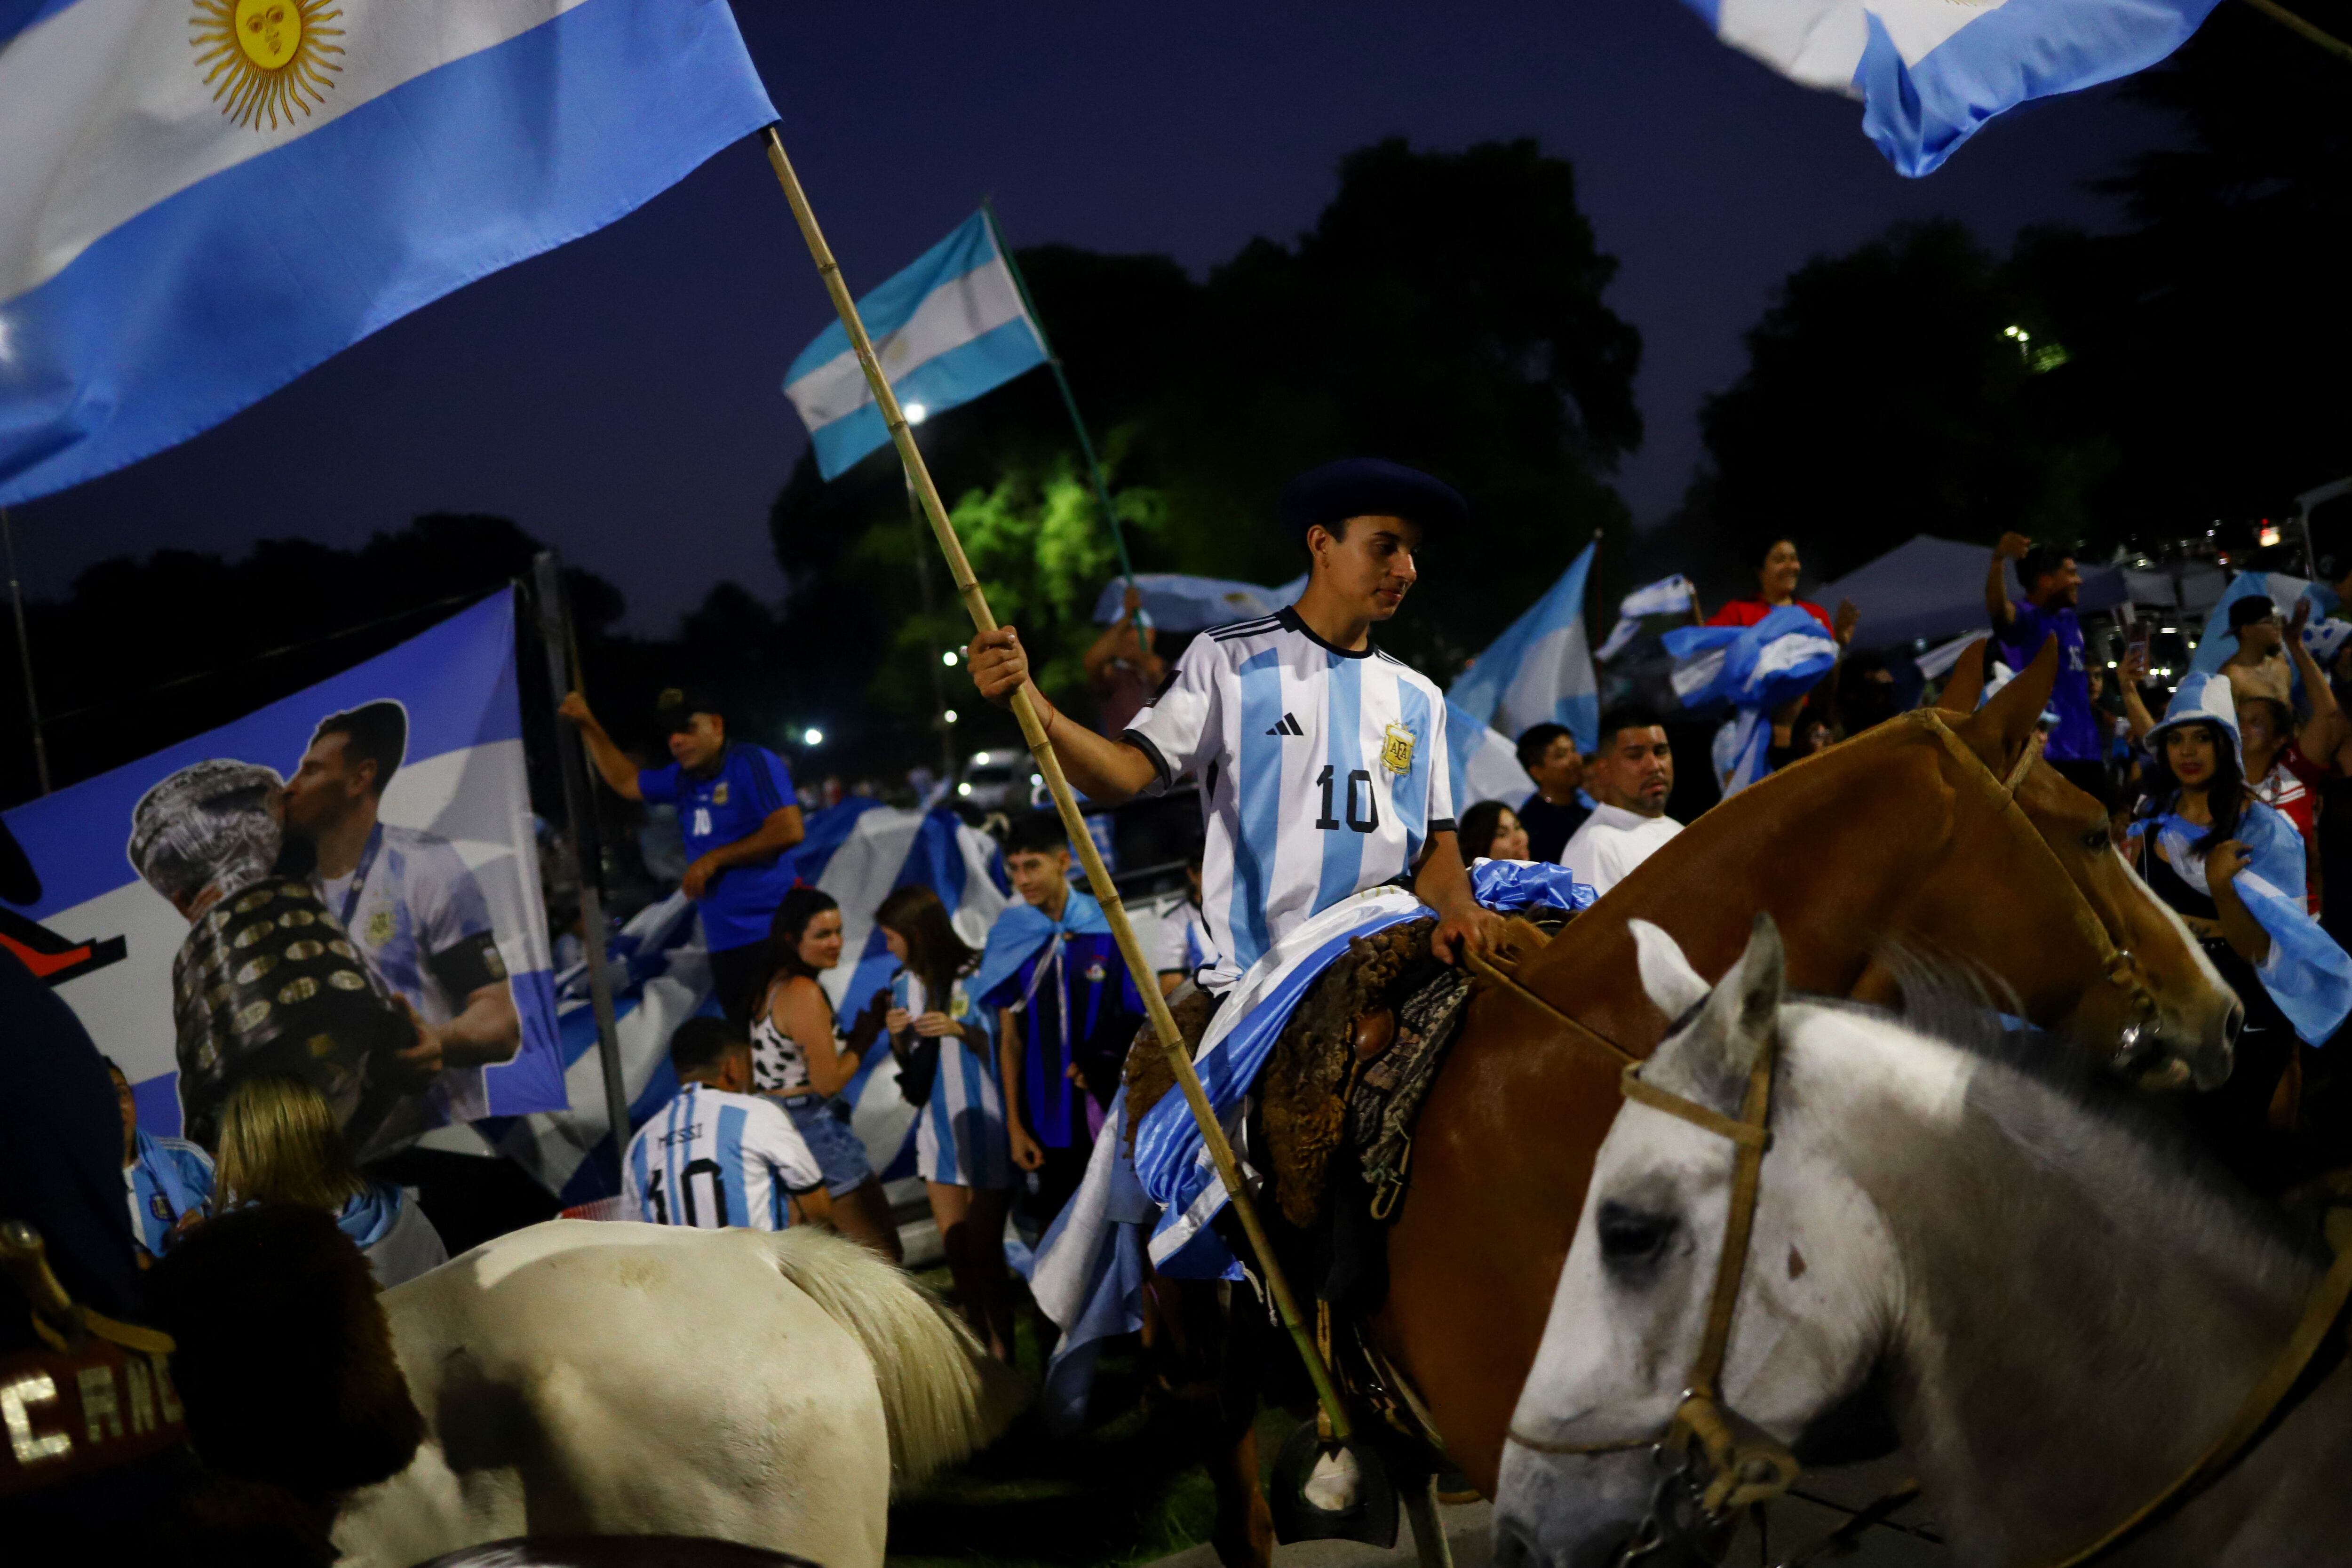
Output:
(2232, 1022)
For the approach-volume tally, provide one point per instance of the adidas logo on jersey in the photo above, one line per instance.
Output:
(1290, 726)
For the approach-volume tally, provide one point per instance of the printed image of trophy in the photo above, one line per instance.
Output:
(267, 981)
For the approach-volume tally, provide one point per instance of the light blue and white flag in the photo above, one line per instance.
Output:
(201, 200)
(1540, 670)
(1179, 601)
(1171, 1160)
(1667, 596)
(858, 851)
(1929, 72)
(451, 853)
(2306, 972)
(946, 329)
(1485, 764)
(1756, 669)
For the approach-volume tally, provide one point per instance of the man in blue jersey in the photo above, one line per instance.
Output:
(168, 1181)
(718, 1155)
(1321, 760)
(1066, 1009)
(2051, 585)
(738, 816)
(409, 902)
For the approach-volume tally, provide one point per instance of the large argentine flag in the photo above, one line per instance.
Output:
(1541, 668)
(946, 328)
(1929, 72)
(459, 802)
(202, 199)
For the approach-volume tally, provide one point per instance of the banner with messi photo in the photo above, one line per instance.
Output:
(342, 886)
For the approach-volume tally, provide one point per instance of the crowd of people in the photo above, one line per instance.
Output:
(1009, 1052)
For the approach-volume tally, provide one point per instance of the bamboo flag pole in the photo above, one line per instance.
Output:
(1163, 1023)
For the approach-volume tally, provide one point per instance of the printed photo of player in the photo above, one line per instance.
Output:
(410, 904)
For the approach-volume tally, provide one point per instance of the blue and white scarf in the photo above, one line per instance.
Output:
(2306, 972)
(1756, 669)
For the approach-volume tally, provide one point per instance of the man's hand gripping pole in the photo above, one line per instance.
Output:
(975, 603)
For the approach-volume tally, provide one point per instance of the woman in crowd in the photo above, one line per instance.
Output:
(947, 1070)
(1777, 567)
(1491, 831)
(280, 1143)
(799, 1058)
(2233, 869)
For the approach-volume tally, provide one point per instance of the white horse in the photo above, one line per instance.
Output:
(616, 1379)
(2059, 1310)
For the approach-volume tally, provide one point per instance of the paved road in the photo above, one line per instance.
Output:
(1795, 1522)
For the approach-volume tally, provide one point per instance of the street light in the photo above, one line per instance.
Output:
(949, 658)
(811, 736)
(949, 716)
(915, 413)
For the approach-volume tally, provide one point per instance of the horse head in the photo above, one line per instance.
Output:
(2109, 964)
(1637, 1333)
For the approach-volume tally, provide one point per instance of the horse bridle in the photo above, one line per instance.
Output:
(1713, 1463)
(2117, 964)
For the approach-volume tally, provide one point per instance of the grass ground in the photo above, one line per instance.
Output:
(1125, 1490)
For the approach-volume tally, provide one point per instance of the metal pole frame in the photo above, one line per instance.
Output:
(24, 655)
(1164, 1024)
(563, 675)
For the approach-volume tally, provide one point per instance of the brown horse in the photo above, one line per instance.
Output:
(1909, 838)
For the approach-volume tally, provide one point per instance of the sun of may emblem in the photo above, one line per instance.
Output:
(266, 58)
(1396, 750)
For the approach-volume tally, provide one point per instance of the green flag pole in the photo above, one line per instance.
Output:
(1069, 398)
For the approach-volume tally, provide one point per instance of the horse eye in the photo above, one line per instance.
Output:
(1629, 1235)
(2095, 840)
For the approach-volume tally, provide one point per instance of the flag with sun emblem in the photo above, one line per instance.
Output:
(202, 199)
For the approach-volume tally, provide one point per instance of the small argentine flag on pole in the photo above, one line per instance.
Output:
(202, 199)
(946, 328)
(1929, 72)
(1541, 668)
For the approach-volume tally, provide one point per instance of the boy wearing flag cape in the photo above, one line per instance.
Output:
(1321, 760)
(1066, 1009)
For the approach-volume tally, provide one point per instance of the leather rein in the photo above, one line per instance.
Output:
(1714, 1463)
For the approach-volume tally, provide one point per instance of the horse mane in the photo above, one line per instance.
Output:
(1948, 1004)
(943, 1395)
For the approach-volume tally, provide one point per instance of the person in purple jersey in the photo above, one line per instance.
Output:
(739, 814)
(2047, 573)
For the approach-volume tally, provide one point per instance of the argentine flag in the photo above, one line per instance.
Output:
(946, 328)
(1929, 72)
(1485, 764)
(1540, 670)
(202, 199)
(1756, 669)
(1667, 596)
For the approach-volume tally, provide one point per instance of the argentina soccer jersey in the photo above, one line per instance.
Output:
(1335, 781)
(712, 1159)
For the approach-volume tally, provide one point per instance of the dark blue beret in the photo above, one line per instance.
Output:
(1370, 487)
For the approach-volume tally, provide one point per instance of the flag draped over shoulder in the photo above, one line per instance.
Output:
(1541, 668)
(1929, 72)
(202, 200)
(950, 327)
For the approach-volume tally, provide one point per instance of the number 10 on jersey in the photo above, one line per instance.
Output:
(1364, 820)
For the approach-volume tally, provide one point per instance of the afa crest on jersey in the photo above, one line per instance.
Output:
(1396, 750)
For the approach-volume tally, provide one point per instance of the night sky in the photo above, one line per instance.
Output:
(620, 397)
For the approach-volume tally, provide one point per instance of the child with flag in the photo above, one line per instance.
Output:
(1322, 760)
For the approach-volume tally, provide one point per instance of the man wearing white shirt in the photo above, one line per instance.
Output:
(1630, 776)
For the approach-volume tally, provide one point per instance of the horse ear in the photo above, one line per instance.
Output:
(1965, 686)
(1666, 975)
(1715, 1053)
(2001, 729)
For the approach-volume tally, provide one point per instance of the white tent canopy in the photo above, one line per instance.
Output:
(1934, 588)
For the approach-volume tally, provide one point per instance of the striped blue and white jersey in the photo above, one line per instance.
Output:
(711, 1158)
(1322, 771)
